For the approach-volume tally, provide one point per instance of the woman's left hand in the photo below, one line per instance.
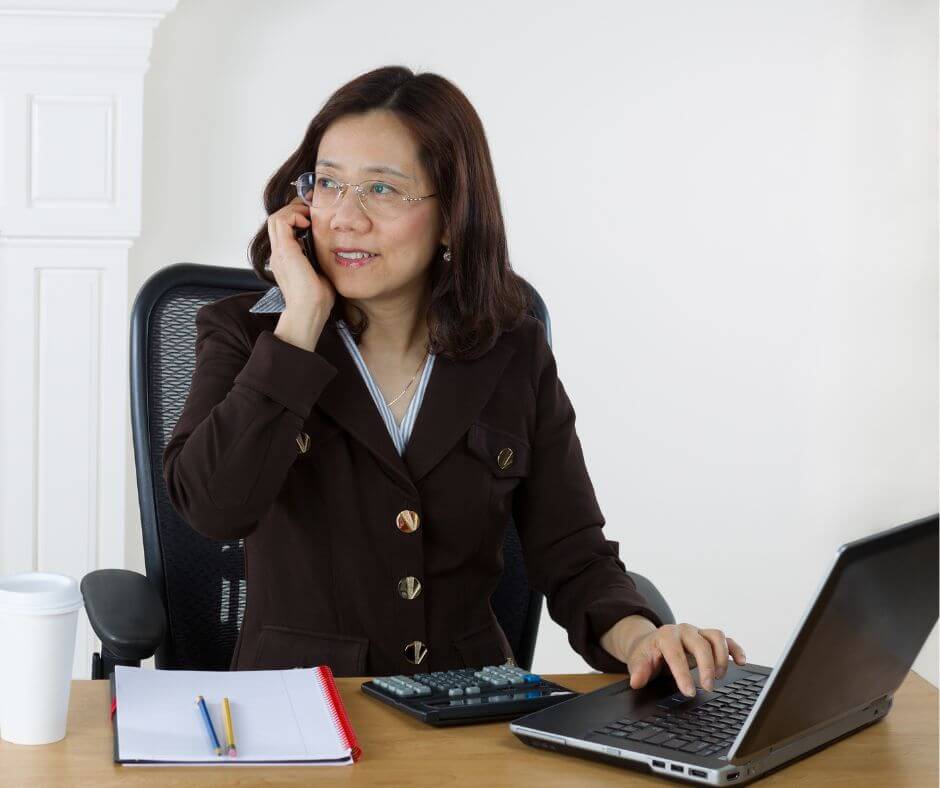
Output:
(644, 649)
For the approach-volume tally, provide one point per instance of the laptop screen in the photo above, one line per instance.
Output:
(859, 639)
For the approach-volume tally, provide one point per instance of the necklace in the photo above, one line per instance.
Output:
(410, 381)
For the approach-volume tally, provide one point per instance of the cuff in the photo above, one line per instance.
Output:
(601, 616)
(285, 373)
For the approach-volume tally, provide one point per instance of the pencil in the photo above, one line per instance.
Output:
(229, 729)
(201, 703)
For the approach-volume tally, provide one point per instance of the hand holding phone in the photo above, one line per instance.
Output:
(295, 270)
(308, 294)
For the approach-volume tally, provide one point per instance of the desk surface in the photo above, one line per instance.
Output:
(901, 750)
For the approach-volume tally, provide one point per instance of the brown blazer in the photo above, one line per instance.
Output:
(335, 525)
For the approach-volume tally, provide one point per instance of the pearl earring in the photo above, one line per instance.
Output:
(447, 256)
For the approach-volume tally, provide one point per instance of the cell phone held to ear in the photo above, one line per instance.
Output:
(306, 242)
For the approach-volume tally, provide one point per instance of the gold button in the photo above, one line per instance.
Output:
(415, 652)
(504, 458)
(407, 521)
(409, 587)
(303, 442)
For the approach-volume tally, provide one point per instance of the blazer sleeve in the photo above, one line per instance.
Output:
(229, 454)
(560, 526)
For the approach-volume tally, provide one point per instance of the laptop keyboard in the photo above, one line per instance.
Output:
(706, 729)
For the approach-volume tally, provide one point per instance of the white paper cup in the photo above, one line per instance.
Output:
(38, 619)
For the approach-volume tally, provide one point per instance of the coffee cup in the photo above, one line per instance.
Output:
(38, 619)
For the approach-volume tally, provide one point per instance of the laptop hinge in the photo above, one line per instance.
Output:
(818, 736)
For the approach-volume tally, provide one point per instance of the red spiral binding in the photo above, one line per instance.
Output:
(340, 720)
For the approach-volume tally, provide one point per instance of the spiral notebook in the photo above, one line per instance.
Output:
(290, 717)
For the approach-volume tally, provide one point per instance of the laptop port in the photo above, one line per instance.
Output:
(660, 764)
(733, 776)
(697, 773)
(676, 767)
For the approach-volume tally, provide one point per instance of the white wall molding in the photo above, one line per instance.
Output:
(111, 36)
(71, 101)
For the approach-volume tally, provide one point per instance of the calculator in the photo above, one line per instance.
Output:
(466, 696)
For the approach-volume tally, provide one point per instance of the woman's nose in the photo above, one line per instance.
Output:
(349, 211)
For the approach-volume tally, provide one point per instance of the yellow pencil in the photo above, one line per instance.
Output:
(229, 730)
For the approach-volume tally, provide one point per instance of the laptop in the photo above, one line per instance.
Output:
(856, 643)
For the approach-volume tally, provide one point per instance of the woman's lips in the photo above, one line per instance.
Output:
(353, 263)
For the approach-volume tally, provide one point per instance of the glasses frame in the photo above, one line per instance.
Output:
(406, 198)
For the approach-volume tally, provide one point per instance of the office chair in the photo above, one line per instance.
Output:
(188, 609)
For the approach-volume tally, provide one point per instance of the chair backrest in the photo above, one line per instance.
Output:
(201, 580)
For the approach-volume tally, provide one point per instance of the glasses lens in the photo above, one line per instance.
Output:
(382, 199)
(305, 187)
(317, 189)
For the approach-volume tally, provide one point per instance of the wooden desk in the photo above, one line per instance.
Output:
(901, 750)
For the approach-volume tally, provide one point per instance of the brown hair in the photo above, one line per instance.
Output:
(474, 297)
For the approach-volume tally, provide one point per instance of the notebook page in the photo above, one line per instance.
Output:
(312, 710)
(158, 718)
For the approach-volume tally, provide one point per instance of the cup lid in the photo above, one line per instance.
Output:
(39, 593)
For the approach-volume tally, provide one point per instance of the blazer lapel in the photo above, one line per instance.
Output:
(455, 395)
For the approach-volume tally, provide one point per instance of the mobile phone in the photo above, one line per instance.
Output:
(306, 241)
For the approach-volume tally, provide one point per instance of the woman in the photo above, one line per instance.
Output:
(369, 425)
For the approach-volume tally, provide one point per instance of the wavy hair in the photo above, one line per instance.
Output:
(476, 295)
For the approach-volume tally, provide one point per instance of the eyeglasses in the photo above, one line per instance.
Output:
(377, 198)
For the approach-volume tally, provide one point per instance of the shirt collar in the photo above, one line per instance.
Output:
(271, 302)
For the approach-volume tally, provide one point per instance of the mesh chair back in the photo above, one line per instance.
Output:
(202, 580)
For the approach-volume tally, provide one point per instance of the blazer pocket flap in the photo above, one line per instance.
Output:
(287, 647)
(504, 453)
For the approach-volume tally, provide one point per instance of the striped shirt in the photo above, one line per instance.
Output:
(273, 301)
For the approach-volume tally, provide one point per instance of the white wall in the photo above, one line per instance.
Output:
(754, 241)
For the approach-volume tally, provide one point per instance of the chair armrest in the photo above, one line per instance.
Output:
(125, 611)
(657, 603)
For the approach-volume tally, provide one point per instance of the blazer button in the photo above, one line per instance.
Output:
(409, 587)
(303, 442)
(415, 652)
(407, 521)
(505, 458)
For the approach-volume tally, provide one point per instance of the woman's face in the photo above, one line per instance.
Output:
(404, 246)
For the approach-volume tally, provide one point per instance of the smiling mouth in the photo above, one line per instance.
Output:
(357, 261)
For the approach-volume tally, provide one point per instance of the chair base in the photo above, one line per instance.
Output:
(102, 665)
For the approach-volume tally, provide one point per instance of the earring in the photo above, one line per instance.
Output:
(447, 256)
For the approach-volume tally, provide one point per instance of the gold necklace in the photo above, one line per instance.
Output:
(410, 381)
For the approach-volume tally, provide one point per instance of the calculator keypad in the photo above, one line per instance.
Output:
(457, 683)
(468, 695)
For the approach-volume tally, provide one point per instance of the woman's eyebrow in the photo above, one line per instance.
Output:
(374, 168)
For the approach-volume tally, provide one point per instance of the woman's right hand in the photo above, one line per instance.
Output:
(309, 296)
(304, 290)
